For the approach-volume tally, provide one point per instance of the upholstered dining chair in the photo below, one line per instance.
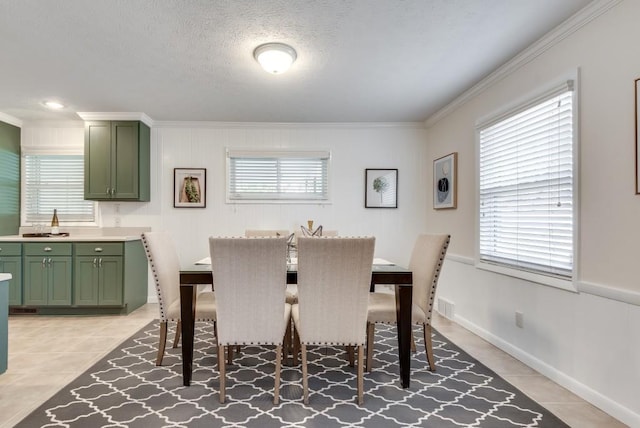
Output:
(426, 264)
(165, 266)
(334, 276)
(250, 276)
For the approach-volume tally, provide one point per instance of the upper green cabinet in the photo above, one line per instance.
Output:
(116, 161)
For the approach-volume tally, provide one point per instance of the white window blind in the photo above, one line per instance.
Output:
(55, 182)
(526, 186)
(278, 175)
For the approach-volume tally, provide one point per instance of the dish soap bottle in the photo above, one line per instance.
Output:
(55, 224)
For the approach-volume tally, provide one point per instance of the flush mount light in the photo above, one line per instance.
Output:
(55, 105)
(275, 58)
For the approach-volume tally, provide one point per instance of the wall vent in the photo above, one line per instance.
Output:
(446, 308)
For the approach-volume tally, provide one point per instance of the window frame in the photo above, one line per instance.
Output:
(277, 154)
(529, 100)
(48, 151)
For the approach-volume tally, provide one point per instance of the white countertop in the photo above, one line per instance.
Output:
(71, 238)
(5, 277)
(83, 234)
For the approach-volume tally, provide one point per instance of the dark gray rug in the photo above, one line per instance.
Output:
(126, 389)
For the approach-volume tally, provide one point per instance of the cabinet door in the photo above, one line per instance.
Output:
(110, 290)
(124, 168)
(85, 290)
(97, 160)
(13, 265)
(35, 280)
(60, 280)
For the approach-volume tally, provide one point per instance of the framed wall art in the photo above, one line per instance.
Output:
(445, 182)
(189, 187)
(381, 188)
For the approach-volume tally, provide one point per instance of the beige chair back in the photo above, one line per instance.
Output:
(249, 277)
(426, 263)
(165, 267)
(266, 232)
(334, 276)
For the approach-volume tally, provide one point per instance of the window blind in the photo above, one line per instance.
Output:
(526, 186)
(55, 182)
(278, 175)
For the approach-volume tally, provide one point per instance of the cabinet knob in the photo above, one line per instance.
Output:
(98, 249)
(47, 249)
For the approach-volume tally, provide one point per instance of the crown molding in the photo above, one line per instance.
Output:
(552, 38)
(290, 125)
(116, 116)
(10, 120)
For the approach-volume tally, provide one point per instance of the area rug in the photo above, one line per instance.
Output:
(126, 389)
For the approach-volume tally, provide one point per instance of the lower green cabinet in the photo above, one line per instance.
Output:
(99, 274)
(11, 262)
(75, 277)
(47, 274)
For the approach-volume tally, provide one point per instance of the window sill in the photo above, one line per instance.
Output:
(562, 284)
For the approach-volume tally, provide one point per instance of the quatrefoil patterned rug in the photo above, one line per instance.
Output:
(126, 389)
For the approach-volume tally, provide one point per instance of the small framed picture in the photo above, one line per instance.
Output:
(445, 182)
(189, 187)
(381, 188)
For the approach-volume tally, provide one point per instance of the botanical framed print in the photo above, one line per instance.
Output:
(381, 188)
(189, 187)
(445, 182)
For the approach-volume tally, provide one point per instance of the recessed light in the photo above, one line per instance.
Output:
(55, 105)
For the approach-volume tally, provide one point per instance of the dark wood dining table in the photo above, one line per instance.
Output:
(402, 278)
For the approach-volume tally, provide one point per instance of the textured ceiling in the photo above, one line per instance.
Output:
(358, 60)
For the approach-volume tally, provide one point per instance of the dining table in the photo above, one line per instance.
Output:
(402, 278)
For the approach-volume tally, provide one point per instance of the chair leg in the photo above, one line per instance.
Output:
(162, 343)
(371, 327)
(413, 343)
(360, 374)
(351, 356)
(276, 390)
(176, 338)
(221, 370)
(296, 347)
(428, 345)
(305, 381)
(230, 354)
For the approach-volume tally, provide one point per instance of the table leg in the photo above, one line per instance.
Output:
(187, 315)
(403, 316)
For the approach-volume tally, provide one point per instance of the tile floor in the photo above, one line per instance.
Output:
(46, 353)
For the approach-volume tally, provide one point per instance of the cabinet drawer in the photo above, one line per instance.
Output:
(99, 249)
(10, 249)
(48, 249)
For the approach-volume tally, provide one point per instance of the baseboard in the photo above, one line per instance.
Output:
(613, 408)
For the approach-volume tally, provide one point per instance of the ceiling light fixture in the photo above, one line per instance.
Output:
(275, 58)
(55, 105)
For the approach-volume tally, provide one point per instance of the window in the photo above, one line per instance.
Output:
(277, 175)
(55, 182)
(526, 186)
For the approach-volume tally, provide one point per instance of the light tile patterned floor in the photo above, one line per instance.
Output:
(46, 353)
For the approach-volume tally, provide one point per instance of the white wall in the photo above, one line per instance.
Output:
(353, 148)
(585, 341)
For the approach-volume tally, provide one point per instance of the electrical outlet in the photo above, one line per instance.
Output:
(116, 221)
(519, 319)
(116, 208)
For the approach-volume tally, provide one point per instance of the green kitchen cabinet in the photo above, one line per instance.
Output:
(47, 274)
(116, 161)
(98, 277)
(11, 262)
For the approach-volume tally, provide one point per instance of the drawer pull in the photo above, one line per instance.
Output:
(47, 249)
(97, 249)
